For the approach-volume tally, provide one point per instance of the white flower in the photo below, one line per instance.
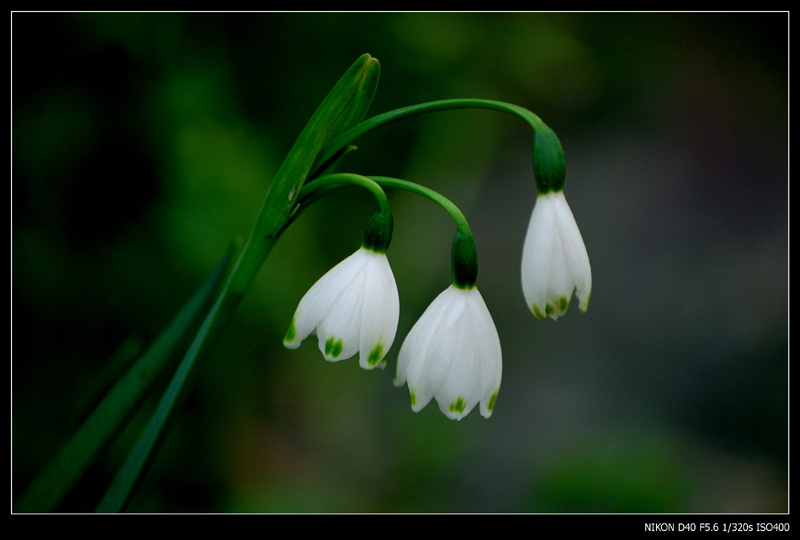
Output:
(353, 308)
(453, 354)
(554, 259)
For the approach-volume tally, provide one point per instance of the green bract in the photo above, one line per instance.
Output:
(464, 261)
(548, 161)
(378, 233)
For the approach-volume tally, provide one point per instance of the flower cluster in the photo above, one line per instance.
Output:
(453, 353)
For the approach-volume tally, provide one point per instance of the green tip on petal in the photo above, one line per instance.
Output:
(538, 313)
(376, 355)
(563, 303)
(584, 306)
(458, 405)
(333, 347)
(490, 405)
(291, 333)
(413, 398)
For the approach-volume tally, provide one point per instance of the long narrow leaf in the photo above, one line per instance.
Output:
(128, 477)
(344, 106)
(48, 490)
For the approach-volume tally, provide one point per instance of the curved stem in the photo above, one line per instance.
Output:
(322, 186)
(415, 110)
(441, 200)
(464, 257)
(325, 185)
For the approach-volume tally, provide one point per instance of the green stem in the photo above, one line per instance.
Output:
(56, 481)
(415, 110)
(325, 185)
(444, 202)
(343, 107)
(331, 182)
(548, 156)
(464, 257)
(378, 232)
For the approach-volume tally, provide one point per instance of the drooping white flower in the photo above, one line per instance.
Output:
(353, 308)
(554, 259)
(453, 354)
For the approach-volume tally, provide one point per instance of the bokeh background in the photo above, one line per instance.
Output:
(142, 144)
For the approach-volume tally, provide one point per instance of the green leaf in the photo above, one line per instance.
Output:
(344, 106)
(58, 478)
(130, 474)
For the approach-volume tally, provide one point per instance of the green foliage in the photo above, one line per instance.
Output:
(55, 482)
(642, 474)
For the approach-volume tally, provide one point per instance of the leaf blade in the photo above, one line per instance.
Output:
(54, 483)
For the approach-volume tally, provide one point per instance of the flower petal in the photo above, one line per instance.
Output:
(319, 299)
(380, 312)
(460, 390)
(420, 358)
(576, 257)
(339, 330)
(487, 343)
(537, 255)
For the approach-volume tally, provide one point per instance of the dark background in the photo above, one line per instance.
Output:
(142, 144)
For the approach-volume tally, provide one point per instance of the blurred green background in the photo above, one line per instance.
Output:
(144, 143)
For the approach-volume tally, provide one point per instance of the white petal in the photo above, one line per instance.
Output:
(354, 307)
(420, 360)
(417, 343)
(537, 255)
(490, 354)
(460, 390)
(334, 292)
(577, 258)
(339, 330)
(380, 312)
(475, 374)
